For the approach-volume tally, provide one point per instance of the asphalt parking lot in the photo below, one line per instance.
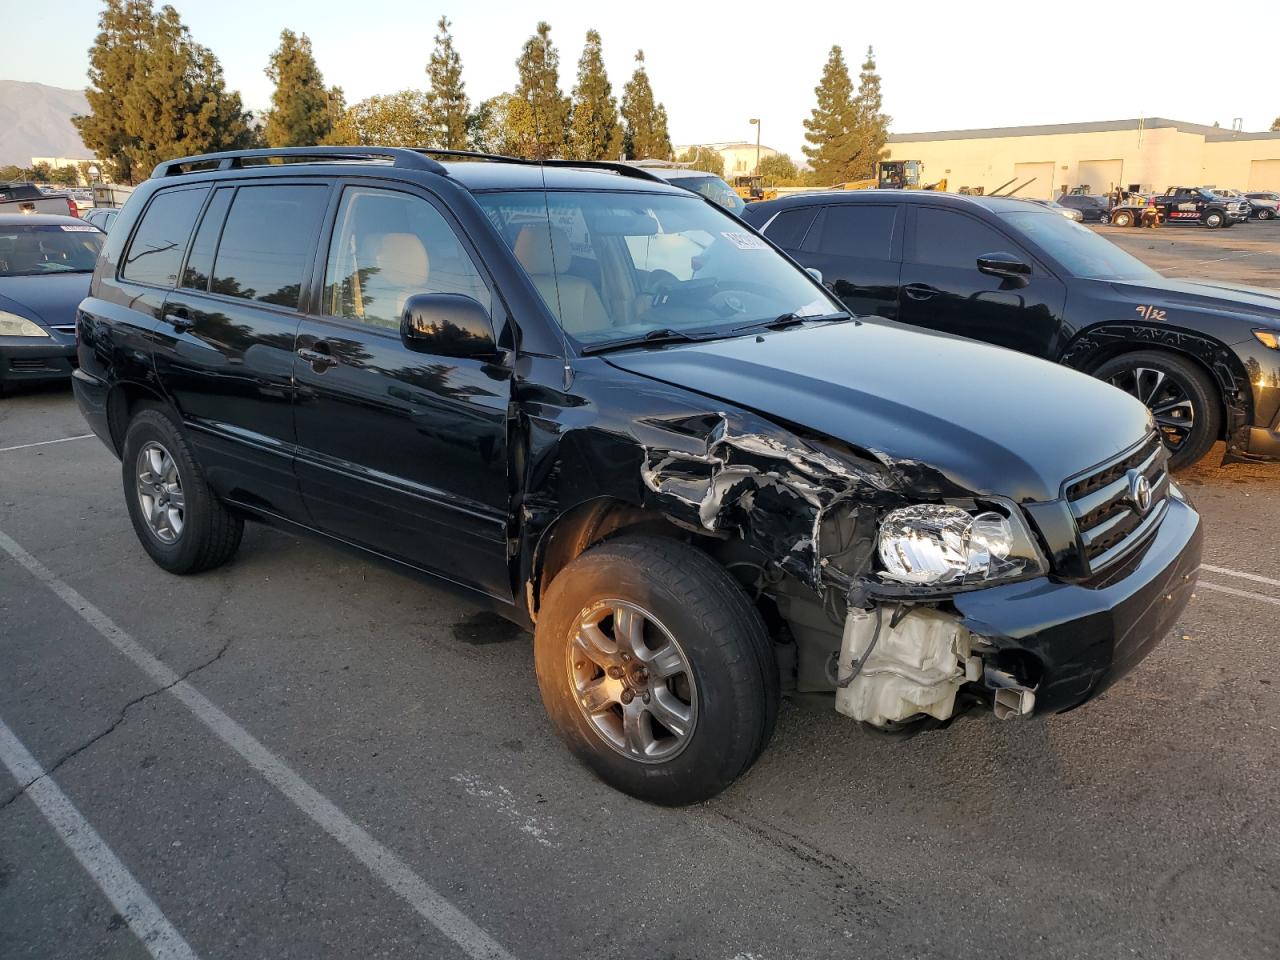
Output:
(303, 754)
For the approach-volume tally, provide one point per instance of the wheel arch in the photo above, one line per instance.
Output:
(123, 399)
(1096, 345)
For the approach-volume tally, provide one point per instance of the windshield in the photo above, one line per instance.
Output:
(29, 249)
(714, 189)
(615, 266)
(1078, 248)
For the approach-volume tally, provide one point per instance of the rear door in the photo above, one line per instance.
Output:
(226, 350)
(942, 288)
(399, 451)
(857, 247)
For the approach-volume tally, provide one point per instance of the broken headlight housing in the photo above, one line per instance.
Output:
(932, 544)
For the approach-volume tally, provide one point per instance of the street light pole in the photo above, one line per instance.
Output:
(756, 124)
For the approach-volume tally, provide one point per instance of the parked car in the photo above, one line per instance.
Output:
(696, 181)
(101, 217)
(1199, 354)
(45, 263)
(1226, 193)
(697, 483)
(1264, 204)
(1069, 212)
(1092, 209)
(29, 198)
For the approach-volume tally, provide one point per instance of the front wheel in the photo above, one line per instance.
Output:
(1104, 218)
(1213, 220)
(1180, 396)
(1266, 214)
(656, 670)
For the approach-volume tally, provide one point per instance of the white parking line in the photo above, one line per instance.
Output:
(1239, 573)
(381, 862)
(113, 878)
(45, 443)
(1238, 593)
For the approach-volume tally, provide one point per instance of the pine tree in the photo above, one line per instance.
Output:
(1275, 125)
(303, 111)
(539, 87)
(124, 28)
(594, 131)
(447, 100)
(831, 123)
(871, 125)
(645, 121)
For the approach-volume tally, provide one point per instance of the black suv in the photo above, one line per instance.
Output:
(607, 408)
(1205, 357)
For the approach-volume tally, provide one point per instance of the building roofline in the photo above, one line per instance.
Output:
(1215, 134)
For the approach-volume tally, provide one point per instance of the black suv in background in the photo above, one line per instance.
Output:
(1204, 357)
(615, 413)
(1092, 209)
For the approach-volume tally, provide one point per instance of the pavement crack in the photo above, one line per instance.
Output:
(115, 723)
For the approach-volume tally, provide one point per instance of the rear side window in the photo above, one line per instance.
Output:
(161, 238)
(789, 227)
(200, 260)
(945, 238)
(268, 242)
(856, 230)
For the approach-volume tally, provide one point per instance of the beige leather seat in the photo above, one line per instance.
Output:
(404, 269)
(545, 255)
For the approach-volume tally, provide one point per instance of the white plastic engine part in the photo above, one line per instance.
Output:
(916, 667)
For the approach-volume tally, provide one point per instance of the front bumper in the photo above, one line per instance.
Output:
(35, 359)
(1079, 638)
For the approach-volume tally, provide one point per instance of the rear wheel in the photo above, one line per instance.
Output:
(175, 514)
(1266, 213)
(1122, 218)
(1181, 397)
(656, 670)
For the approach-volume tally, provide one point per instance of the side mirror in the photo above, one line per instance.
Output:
(814, 272)
(1004, 265)
(448, 325)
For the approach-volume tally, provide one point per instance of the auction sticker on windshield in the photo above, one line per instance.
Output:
(744, 241)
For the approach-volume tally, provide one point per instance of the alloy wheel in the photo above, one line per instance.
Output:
(160, 492)
(1165, 397)
(632, 681)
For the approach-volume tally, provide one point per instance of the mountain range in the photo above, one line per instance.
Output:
(35, 121)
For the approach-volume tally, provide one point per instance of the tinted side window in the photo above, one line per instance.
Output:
(161, 238)
(200, 260)
(388, 246)
(945, 238)
(268, 242)
(857, 230)
(789, 227)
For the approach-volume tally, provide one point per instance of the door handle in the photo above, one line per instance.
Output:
(180, 319)
(320, 360)
(920, 291)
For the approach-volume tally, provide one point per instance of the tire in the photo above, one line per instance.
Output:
(1167, 384)
(1104, 218)
(1214, 220)
(1122, 219)
(194, 531)
(724, 691)
(1266, 213)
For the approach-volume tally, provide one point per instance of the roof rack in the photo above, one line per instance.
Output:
(624, 169)
(234, 159)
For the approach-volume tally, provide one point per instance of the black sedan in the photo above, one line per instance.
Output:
(1092, 209)
(45, 265)
(1204, 357)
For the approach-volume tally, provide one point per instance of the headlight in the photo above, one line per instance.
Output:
(937, 544)
(12, 325)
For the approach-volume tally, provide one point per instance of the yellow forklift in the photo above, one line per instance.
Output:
(752, 187)
(894, 175)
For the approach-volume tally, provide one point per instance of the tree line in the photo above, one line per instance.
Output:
(154, 94)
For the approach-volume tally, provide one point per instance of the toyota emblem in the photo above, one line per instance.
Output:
(1140, 491)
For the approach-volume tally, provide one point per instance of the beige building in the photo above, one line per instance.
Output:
(739, 157)
(56, 162)
(1147, 154)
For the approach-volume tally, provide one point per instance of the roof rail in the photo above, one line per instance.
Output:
(234, 159)
(625, 169)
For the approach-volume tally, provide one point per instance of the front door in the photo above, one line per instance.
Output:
(402, 452)
(942, 288)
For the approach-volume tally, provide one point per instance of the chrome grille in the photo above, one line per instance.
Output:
(1108, 517)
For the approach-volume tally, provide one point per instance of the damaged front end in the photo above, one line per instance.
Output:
(802, 522)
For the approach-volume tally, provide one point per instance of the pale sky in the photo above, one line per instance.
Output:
(943, 65)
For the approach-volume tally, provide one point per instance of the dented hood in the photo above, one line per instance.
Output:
(992, 420)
